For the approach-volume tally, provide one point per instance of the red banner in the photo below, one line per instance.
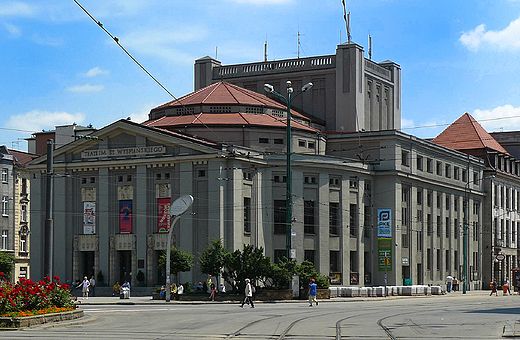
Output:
(163, 206)
(125, 216)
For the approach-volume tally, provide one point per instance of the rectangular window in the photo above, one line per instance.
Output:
(201, 173)
(5, 205)
(439, 168)
(23, 212)
(447, 260)
(419, 196)
(334, 218)
(429, 224)
(447, 171)
(428, 259)
(263, 140)
(404, 240)
(439, 259)
(278, 141)
(420, 165)
(280, 225)
(464, 175)
(247, 214)
(456, 228)
(429, 165)
(5, 173)
(439, 226)
(279, 254)
(448, 202)
(302, 143)
(439, 200)
(354, 261)
(334, 261)
(309, 256)
(129, 178)
(309, 217)
(4, 239)
(448, 227)
(92, 180)
(353, 220)
(23, 244)
(311, 145)
(24, 186)
(475, 178)
(404, 158)
(429, 198)
(456, 173)
(419, 240)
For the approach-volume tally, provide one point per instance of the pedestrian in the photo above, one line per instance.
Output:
(248, 295)
(506, 287)
(455, 286)
(174, 291)
(494, 287)
(209, 283)
(312, 293)
(84, 287)
(180, 289)
(449, 281)
(92, 286)
(222, 289)
(200, 287)
(115, 289)
(212, 292)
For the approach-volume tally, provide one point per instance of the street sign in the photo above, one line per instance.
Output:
(500, 257)
(180, 205)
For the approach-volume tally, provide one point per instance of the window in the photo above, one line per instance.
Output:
(23, 244)
(311, 145)
(5, 205)
(456, 228)
(429, 224)
(4, 239)
(24, 186)
(23, 212)
(92, 180)
(448, 227)
(279, 254)
(201, 173)
(439, 226)
(309, 256)
(83, 180)
(456, 203)
(420, 164)
(429, 198)
(404, 158)
(429, 165)
(404, 240)
(439, 200)
(334, 182)
(353, 220)
(428, 259)
(119, 179)
(158, 177)
(280, 225)
(334, 218)
(419, 240)
(439, 260)
(464, 175)
(448, 202)
(278, 141)
(302, 143)
(456, 173)
(475, 178)
(263, 140)
(309, 216)
(129, 178)
(5, 173)
(439, 168)
(334, 261)
(353, 182)
(447, 260)
(166, 175)
(248, 176)
(419, 196)
(447, 171)
(247, 214)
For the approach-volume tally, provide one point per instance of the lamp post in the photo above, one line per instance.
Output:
(465, 232)
(177, 208)
(288, 205)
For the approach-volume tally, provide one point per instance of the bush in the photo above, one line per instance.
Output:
(306, 272)
(29, 298)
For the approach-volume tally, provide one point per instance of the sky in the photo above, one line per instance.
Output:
(58, 67)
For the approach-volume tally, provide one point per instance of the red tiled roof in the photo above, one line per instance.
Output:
(20, 157)
(223, 93)
(214, 119)
(467, 134)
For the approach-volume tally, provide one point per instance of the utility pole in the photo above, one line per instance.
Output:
(49, 222)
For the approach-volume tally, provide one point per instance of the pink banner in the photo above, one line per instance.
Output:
(163, 205)
(125, 216)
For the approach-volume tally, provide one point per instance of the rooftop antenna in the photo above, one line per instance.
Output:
(369, 46)
(216, 52)
(346, 17)
(298, 44)
(265, 50)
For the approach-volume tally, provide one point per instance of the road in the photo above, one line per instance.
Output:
(453, 316)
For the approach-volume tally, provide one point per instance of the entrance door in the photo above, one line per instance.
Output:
(125, 265)
(87, 264)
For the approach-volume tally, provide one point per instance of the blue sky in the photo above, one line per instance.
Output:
(58, 67)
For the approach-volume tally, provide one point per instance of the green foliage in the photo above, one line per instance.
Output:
(140, 276)
(187, 288)
(6, 264)
(281, 274)
(212, 259)
(250, 263)
(306, 271)
(180, 260)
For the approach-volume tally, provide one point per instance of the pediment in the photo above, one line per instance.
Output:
(124, 139)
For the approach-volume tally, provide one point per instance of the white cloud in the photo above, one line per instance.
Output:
(13, 30)
(95, 72)
(46, 40)
(13, 8)
(142, 116)
(508, 38)
(86, 88)
(37, 120)
(407, 123)
(504, 117)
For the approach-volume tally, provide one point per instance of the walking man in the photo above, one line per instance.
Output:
(312, 293)
(249, 295)
(449, 281)
(93, 286)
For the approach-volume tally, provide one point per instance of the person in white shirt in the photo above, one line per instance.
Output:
(449, 281)
(180, 289)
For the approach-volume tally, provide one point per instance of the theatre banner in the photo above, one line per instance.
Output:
(125, 216)
(163, 205)
(89, 218)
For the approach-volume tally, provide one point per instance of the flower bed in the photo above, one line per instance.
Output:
(28, 299)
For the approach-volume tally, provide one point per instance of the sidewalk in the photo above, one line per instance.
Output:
(147, 300)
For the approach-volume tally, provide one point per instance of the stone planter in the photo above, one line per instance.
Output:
(322, 294)
(274, 295)
(28, 321)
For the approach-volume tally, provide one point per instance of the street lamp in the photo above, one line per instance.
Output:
(288, 205)
(177, 208)
(465, 232)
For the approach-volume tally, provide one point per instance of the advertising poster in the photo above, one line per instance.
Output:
(384, 256)
(125, 216)
(89, 218)
(384, 223)
(164, 214)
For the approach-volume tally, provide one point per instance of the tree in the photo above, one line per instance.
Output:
(250, 263)
(282, 273)
(180, 260)
(212, 259)
(306, 271)
(6, 264)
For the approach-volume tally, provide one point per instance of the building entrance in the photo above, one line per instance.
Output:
(87, 264)
(125, 265)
